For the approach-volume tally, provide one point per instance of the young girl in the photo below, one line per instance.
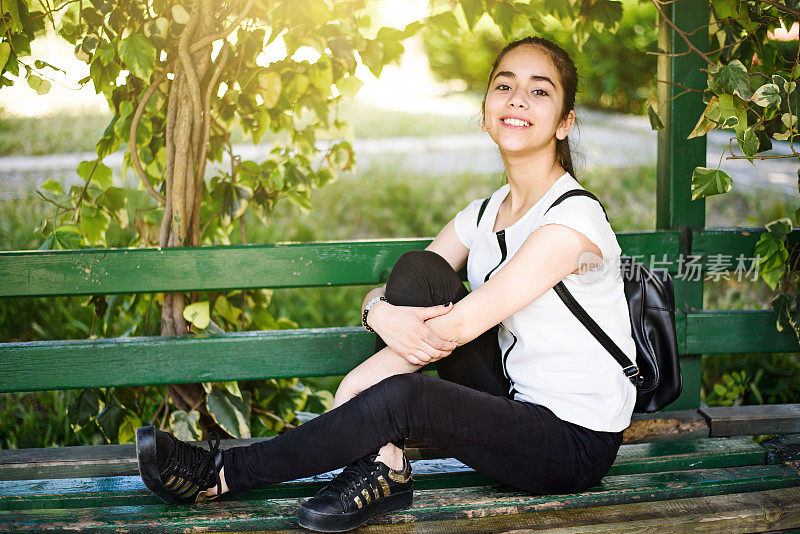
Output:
(525, 393)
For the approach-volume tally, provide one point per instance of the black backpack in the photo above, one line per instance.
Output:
(651, 305)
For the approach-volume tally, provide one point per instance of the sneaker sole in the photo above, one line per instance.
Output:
(147, 460)
(342, 522)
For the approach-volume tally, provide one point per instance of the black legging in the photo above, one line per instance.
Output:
(466, 412)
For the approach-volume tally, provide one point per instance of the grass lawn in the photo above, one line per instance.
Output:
(69, 132)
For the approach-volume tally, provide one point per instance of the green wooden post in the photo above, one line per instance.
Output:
(677, 156)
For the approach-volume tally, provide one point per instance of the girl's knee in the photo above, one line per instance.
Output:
(420, 260)
(419, 277)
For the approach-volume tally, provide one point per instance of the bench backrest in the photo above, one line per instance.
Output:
(314, 352)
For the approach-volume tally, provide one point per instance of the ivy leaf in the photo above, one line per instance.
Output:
(733, 79)
(127, 428)
(231, 387)
(780, 228)
(52, 186)
(724, 9)
(269, 84)
(392, 48)
(39, 85)
(772, 256)
(115, 200)
(707, 120)
(5, 53)
(197, 314)
(100, 173)
(179, 14)
(473, 10)
(12, 8)
(230, 412)
(767, 95)
(781, 304)
(110, 419)
(779, 81)
(707, 182)
(349, 86)
(66, 237)
(84, 408)
(748, 142)
(139, 55)
(372, 56)
(655, 120)
(185, 426)
(503, 14)
(319, 402)
(223, 308)
(730, 122)
(602, 13)
(94, 224)
(235, 199)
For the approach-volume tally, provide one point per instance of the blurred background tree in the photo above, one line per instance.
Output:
(616, 70)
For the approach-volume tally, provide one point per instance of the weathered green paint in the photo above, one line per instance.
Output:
(732, 241)
(736, 332)
(429, 505)
(157, 360)
(120, 460)
(752, 420)
(677, 68)
(755, 511)
(43, 365)
(88, 272)
(690, 375)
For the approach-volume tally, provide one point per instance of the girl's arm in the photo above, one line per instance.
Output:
(404, 328)
(546, 257)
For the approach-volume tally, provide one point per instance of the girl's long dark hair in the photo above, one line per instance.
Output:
(568, 75)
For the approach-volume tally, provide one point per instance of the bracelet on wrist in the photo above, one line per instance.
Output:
(366, 311)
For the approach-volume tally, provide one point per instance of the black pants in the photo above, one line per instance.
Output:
(466, 412)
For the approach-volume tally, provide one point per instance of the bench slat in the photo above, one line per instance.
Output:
(109, 271)
(766, 419)
(43, 365)
(429, 505)
(759, 511)
(116, 460)
(735, 332)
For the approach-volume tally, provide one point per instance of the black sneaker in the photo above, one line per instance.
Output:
(364, 489)
(176, 471)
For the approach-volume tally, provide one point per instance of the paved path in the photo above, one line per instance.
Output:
(601, 140)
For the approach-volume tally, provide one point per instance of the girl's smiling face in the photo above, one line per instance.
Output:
(524, 101)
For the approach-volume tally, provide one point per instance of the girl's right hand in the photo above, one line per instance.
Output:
(403, 329)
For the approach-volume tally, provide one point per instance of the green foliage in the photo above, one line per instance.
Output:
(615, 72)
(736, 379)
(32, 420)
(730, 391)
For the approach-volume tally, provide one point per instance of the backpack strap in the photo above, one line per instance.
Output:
(628, 367)
(577, 192)
(483, 208)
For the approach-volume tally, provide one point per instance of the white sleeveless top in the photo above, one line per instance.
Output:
(548, 354)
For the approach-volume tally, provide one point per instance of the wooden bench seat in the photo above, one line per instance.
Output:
(647, 472)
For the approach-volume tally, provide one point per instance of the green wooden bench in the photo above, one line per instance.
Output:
(689, 467)
(98, 487)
